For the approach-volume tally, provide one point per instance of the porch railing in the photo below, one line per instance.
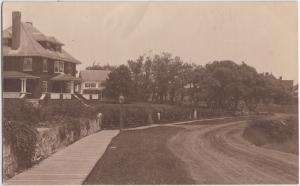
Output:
(95, 96)
(67, 96)
(11, 94)
(54, 95)
(60, 95)
(90, 96)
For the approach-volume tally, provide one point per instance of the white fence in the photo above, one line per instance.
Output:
(90, 96)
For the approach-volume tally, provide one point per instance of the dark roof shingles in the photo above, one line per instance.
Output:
(29, 45)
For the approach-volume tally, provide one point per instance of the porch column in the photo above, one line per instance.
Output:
(23, 85)
(72, 87)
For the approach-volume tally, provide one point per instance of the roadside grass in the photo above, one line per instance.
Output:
(275, 133)
(140, 157)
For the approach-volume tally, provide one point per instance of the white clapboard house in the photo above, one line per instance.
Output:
(92, 83)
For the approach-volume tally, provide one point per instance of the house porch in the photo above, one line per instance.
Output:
(63, 86)
(18, 84)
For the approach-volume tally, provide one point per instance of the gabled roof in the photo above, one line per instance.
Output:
(30, 46)
(64, 77)
(16, 74)
(94, 75)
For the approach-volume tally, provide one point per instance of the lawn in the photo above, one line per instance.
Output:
(140, 157)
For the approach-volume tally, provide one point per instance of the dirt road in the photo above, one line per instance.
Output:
(218, 154)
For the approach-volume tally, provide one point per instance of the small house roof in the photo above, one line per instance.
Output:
(94, 75)
(64, 77)
(30, 46)
(16, 74)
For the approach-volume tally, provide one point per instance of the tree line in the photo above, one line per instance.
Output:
(163, 78)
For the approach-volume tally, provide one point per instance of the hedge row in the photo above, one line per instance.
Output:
(20, 110)
(137, 114)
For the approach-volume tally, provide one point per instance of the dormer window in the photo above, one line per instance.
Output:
(27, 64)
(59, 67)
(58, 48)
(45, 65)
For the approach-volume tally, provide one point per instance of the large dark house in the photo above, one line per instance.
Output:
(35, 65)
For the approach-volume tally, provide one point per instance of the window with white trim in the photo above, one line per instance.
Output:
(58, 48)
(45, 65)
(58, 66)
(44, 86)
(87, 85)
(61, 66)
(93, 85)
(27, 64)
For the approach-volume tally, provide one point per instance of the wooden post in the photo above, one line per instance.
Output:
(121, 101)
(121, 117)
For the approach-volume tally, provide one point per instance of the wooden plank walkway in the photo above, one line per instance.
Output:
(69, 166)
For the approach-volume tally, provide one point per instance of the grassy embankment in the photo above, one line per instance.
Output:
(278, 133)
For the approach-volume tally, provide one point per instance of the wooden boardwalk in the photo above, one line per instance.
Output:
(69, 166)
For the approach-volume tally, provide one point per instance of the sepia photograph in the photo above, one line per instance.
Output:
(149, 92)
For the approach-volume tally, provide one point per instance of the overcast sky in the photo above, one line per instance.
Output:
(263, 34)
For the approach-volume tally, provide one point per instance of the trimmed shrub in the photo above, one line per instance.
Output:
(70, 108)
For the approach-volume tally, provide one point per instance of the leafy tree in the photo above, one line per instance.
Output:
(218, 85)
(136, 68)
(119, 82)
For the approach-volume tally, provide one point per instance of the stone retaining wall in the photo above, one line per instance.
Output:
(50, 140)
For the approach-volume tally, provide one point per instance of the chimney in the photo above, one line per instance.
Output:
(16, 30)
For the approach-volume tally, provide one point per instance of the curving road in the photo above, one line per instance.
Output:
(218, 154)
